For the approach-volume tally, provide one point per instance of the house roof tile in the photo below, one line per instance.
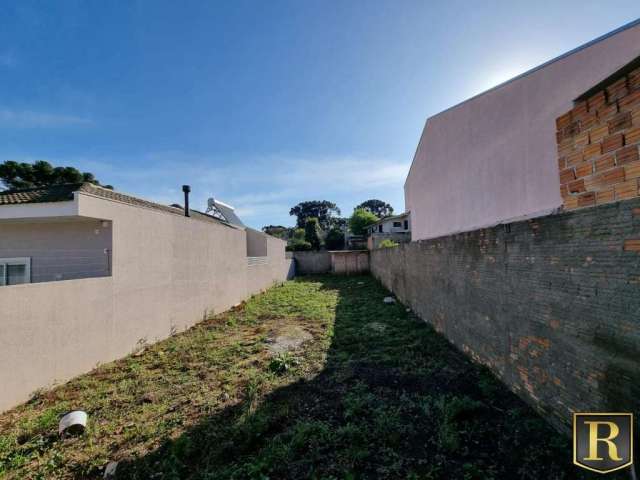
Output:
(54, 193)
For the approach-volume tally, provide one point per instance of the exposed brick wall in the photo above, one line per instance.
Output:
(598, 140)
(551, 305)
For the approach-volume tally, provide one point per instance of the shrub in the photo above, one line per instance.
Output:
(299, 246)
(282, 363)
(312, 233)
(388, 243)
(297, 243)
(298, 234)
(335, 239)
(360, 220)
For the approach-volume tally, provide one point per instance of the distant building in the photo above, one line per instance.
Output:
(396, 228)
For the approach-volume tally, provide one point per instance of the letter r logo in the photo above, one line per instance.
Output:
(603, 442)
(594, 439)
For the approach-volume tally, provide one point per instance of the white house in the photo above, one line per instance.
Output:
(396, 228)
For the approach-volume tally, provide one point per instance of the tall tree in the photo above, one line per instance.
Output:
(312, 233)
(14, 175)
(379, 208)
(338, 222)
(323, 210)
(360, 220)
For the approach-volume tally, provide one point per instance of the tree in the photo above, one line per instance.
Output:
(379, 208)
(312, 232)
(14, 175)
(335, 239)
(323, 210)
(360, 220)
(277, 231)
(297, 243)
(338, 222)
(298, 234)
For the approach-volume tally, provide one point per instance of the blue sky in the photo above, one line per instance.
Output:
(261, 104)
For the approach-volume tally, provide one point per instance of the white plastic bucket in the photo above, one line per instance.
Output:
(73, 422)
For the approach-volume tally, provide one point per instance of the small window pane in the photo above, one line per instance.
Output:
(2, 274)
(397, 224)
(16, 274)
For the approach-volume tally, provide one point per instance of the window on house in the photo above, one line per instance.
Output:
(397, 224)
(406, 224)
(14, 271)
(379, 228)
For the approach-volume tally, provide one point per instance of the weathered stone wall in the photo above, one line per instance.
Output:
(551, 305)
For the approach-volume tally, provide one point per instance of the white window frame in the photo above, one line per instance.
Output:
(4, 262)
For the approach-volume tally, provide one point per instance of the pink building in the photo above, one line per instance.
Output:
(493, 158)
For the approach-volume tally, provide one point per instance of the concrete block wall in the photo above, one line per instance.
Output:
(550, 305)
(340, 262)
(350, 262)
(312, 263)
(598, 145)
(256, 243)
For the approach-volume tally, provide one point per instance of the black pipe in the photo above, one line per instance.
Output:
(186, 189)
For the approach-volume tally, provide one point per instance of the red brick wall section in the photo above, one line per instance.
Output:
(598, 146)
(551, 305)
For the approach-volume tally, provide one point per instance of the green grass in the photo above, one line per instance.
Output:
(376, 394)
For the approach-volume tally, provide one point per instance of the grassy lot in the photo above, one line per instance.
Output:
(375, 394)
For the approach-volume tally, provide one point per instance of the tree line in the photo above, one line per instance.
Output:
(18, 176)
(319, 224)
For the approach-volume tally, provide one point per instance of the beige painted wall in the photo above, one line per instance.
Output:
(349, 262)
(168, 272)
(61, 250)
(256, 243)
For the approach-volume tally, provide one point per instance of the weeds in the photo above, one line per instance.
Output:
(283, 362)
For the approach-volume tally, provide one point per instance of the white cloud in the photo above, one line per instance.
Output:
(31, 119)
(263, 189)
(351, 173)
(258, 178)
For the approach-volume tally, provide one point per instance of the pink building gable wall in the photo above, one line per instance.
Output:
(493, 158)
